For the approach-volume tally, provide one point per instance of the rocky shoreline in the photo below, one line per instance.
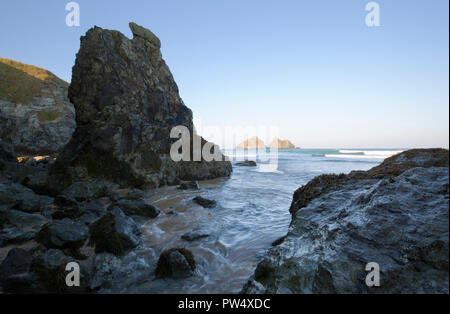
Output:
(395, 214)
(87, 205)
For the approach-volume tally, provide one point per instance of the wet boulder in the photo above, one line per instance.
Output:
(195, 234)
(138, 208)
(65, 233)
(114, 233)
(176, 263)
(49, 270)
(115, 274)
(204, 202)
(190, 185)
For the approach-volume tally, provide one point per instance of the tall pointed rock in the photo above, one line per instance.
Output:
(126, 103)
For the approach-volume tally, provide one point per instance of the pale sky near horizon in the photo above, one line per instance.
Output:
(311, 68)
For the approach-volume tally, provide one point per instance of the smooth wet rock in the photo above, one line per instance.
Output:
(194, 235)
(206, 203)
(114, 233)
(247, 163)
(176, 263)
(113, 274)
(65, 233)
(389, 168)
(138, 207)
(127, 103)
(395, 214)
(253, 287)
(190, 185)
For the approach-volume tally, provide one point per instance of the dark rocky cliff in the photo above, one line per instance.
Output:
(127, 102)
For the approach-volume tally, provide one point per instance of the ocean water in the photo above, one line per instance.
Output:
(252, 212)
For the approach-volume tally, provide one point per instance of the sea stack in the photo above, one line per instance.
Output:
(281, 144)
(127, 103)
(252, 143)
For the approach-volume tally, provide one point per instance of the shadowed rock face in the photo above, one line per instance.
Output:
(126, 103)
(36, 116)
(395, 214)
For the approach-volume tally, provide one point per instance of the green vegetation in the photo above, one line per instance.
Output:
(48, 116)
(21, 82)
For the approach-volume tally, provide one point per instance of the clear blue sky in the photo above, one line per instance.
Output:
(312, 68)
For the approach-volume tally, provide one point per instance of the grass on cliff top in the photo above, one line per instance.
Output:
(21, 82)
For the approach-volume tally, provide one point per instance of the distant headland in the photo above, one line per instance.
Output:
(256, 143)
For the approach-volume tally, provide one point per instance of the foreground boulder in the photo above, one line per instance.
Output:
(36, 116)
(65, 233)
(204, 202)
(177, 263)
(395, 214)
(22, 198)
(138, 208)
(22, 272)
(14, 271)
(127, 103)
(114, 274)
(114, 233)
(50, 269)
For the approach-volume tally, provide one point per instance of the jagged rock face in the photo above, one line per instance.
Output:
(36, 116)
(127, 102)
(341, 223)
